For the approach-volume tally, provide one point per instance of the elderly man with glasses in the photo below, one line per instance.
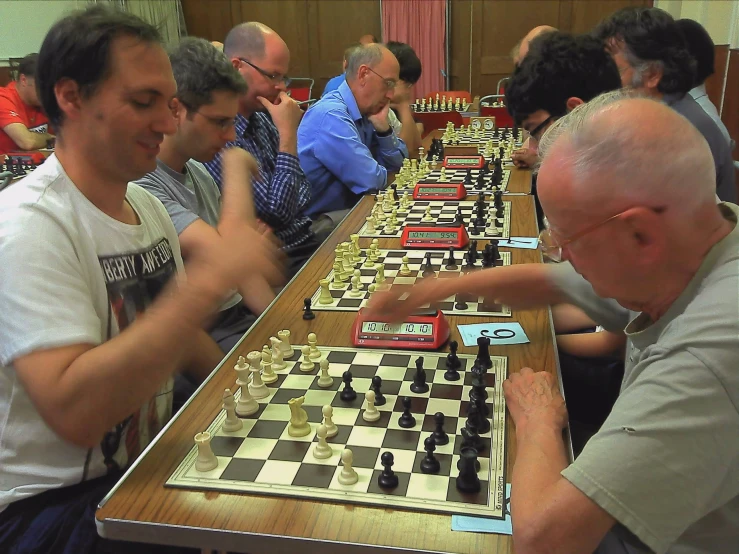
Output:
(266, 127)
(345, 142)
(645, 250)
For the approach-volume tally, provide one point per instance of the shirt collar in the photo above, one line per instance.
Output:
(351, 103)
(699, 91)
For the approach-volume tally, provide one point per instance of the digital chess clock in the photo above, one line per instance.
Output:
(426, 330)
(439, 191)
(434, 236)
(464, 162)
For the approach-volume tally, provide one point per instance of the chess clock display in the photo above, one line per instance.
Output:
(439, 191)
(464, 162)
(434, 236)
(427, 330)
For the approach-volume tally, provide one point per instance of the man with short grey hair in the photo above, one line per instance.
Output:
(648, 253)
(345, 143)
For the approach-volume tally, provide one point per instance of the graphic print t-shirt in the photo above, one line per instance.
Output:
(13, 110)
(70, 274)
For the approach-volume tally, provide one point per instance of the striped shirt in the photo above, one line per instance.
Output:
(281, 191)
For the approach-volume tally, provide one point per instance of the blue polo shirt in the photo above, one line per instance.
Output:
(342, 155)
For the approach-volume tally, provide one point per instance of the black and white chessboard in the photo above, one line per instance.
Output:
(344, 300)
(458, 176)
(442, 212)
(261, 457)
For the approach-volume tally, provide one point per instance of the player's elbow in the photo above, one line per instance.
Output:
(528, 538)
(26, 142)
(75, 428)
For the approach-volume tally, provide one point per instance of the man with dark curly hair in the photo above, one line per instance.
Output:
(653, 57)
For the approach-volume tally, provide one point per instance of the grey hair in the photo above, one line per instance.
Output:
(369, 55)
(200, 69)
(672, 164)
(639, 66)
(246, 39)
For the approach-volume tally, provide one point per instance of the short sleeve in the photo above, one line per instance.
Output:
(8, 113)
(666, 456)
(181, 216)
(45, 296)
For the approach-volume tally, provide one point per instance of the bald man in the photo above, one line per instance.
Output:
(266, 127)
(522, 48)
(364, 40)
(650, 255)
(345, 142)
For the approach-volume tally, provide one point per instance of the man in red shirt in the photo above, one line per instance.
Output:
(23, 126)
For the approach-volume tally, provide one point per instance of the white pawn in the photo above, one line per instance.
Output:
(322, 450)
(348, 476)
(206, 460)
(404, 269)
(315, 354)
(287, 349)
(278, 362)
(427, 214)
(356, 287)
(325, 296)
(325, 380)
(268, 375)
(331, 429)
(232, 423)
(306, 364)
(372, 288)
(371, 413)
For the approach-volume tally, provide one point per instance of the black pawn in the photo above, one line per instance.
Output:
(459, 216)
(387, 479)
(428, 268)
(307, 312)
(467, 480)
(451, 263)
(406, 420)
(487, 258)
(468, 177)
(460, 303)
(452, 360)
(376, 385)
(483, 352)
(419, 385)
(430, 464)
(348, 394)
(439, 435)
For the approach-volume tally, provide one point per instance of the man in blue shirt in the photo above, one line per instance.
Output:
(335, 82)
(345, 143)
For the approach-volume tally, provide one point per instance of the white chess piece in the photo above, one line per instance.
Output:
(306, 364)
(232, 422)
(278, 362)
(206, 460)
(257, 388)
(287, 349)
(370, 225)
(356, 288)
(268, 375)
(315, 354)
(246, 405)
(325, 297)
(348, 476)
(298, 426)
(371, 413)
(371, 289)
(427, 214)
(331, 429)
(322, 449)
(324, 380)
(404, 269)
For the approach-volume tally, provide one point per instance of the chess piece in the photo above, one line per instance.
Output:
(348, 394)
(356, 290)
(322, 449)
(298, 426)
(467, 481)
(439, 435)
(460, 304)
(206, 460)
(428, 267)
(307, 312)
(246, 405)
(306, 364)
(287, 349)
(347, 476)
(376, 387)
(325, 381)
(427, 214)
(406, 420)
(257, 388)
(268, 375)
(331, 429)
(315, 354)
(471, 439)
(451, 263)
(483, 352)
(404, 269)
(278, 362)
(483, 423)
(370, 228)
(419, 385)
(232, 422)
(371, 413)
(325, 297)
(387, 479)
(430, 464)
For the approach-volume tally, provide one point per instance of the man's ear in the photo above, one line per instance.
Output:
(652, 76)
(68, 97)
(573, 102)
(178, 108)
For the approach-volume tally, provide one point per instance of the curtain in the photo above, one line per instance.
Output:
(165, 15)
(422, 25)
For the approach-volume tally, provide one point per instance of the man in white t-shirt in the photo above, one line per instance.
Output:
(85, 383)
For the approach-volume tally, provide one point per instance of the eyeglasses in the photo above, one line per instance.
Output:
(390, 84)
(274, 77)
(222, 123)
(540, 127)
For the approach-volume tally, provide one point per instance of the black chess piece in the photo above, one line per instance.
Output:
(387, 479)
(487, 260)
(307, 312)
(468, 177)
(419, 385)
(430, 464)
(496, 252)
(406, 420)
(478, 396)
(467, 481)
(499, 212)
(480, 182)
(470, 259)
(483, 352)
(452, 358)
(348, 394)
(483, 423)
(473, 250)
(376, 386)
(460, 303)
(475, 229)
(428, 268)
(471, 439)
(459, 216)
(473, 419)
(439, 436)
(451, 263)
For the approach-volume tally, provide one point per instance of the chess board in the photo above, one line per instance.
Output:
(345, 301)
(442, 212)
(261, 458)
(458, 175)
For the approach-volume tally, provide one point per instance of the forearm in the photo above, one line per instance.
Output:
(32, 141)
(590, 345)
(289, 143)
(256, 293)
(392, 152)
(409, 132)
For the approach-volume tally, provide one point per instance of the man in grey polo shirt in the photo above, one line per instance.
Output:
(208, 90)
(651, 255)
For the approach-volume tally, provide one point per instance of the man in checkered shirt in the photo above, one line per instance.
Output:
(266, 127)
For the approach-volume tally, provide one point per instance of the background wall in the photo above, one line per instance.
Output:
(23, 24)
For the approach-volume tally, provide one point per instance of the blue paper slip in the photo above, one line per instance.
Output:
(527, 243)
(483, 525)
(498, 333)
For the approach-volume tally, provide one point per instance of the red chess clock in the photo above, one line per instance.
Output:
(427, 330)
(464, 162)
(434, 236)
(439, 191)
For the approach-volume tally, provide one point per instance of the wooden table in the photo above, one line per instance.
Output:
(141, 509)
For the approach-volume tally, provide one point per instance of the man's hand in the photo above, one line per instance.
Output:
(525, 158)
(379, 120)
(402, 96)
(387, 305)
(286, 115)
(534, 398)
